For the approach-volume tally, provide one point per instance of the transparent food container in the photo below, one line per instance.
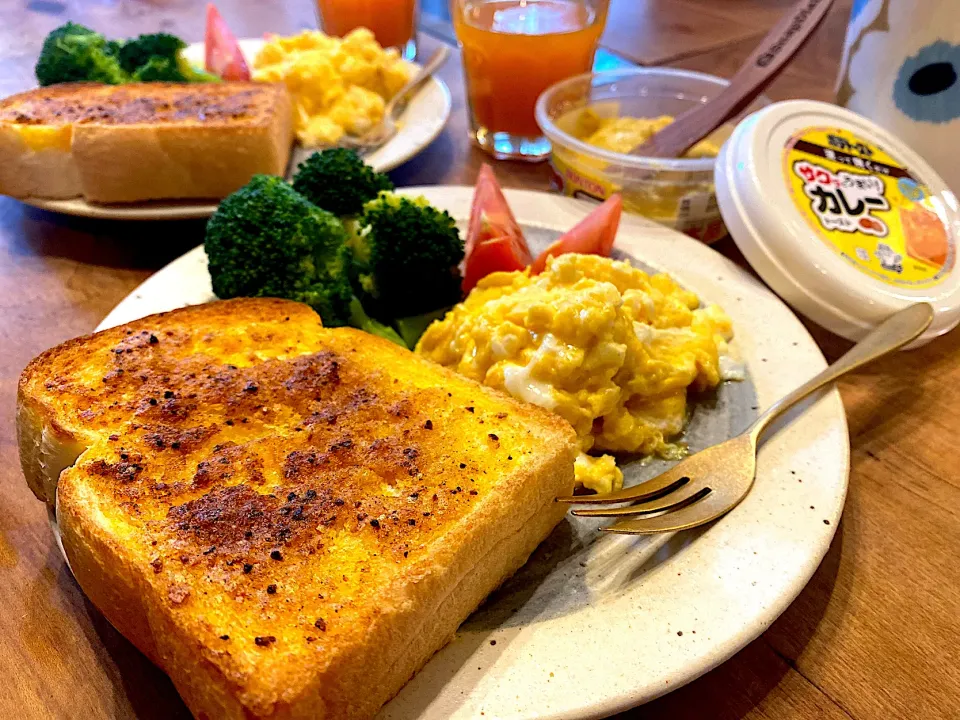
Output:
(675, 192)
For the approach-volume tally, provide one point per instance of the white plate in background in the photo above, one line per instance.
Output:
(422, 121)
(594, 623)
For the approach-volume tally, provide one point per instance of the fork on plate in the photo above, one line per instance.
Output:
(712, 482)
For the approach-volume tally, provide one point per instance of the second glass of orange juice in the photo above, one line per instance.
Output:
(513, 50)
(393, 22)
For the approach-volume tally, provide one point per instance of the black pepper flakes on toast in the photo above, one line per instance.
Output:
(238, 509)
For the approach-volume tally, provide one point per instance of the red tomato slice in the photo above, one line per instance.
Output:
(490, 216)
(499, 254)
(223, 55)
(594, 235)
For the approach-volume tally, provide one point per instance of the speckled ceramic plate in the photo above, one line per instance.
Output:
(597, 623)
(424, 119)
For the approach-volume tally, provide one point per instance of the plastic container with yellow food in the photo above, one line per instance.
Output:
(592, 121)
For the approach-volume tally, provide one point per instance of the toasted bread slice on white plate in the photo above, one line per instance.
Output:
(289, 520)
(142, 141)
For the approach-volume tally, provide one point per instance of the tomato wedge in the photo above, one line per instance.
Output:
(223, 54)
(494, 241)
(594, 235)
(498, 254)
(490, 216)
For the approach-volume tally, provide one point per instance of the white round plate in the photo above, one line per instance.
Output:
(423, 120)
(597, 623)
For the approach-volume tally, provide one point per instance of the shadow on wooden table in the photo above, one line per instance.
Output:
(110, 243)
(738, 688)
(139, 684)
(141, 690)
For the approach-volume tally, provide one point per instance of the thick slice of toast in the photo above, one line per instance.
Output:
(142, 141)
(289, 520)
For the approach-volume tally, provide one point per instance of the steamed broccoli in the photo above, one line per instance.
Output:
(339, 181)
(139, 51)
(360, 320)
(191, 73)
(74, 53)
(266, 240)
(161, 69)
(411, 328)
(157, 58)
(405, 257)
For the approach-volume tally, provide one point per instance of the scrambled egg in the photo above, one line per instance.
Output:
(606, 346)
(339, 86)
(622, 134)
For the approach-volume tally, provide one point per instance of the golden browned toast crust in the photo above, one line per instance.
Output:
(288, 519)
(207, 104)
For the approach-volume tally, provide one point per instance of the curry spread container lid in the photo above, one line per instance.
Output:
(840, 218)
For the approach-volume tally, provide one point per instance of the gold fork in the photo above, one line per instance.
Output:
(711, 483)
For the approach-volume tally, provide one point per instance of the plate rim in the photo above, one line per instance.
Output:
(753, 625)
(199, 210)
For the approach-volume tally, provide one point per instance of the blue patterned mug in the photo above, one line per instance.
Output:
(901, 68)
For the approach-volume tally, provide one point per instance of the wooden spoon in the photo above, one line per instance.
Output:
(780, 44)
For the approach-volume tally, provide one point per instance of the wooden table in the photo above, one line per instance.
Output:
(873, 636)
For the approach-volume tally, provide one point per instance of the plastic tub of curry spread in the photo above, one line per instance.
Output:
(593, 120)
(840, 217)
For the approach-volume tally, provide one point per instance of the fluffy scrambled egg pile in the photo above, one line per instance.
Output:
(606, 346)
(338, 85)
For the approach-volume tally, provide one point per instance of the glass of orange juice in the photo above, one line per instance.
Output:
(513, 50)
(393, 22)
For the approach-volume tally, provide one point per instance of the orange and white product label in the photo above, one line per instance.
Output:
(699, 217)
(867, 207)
(574, 183)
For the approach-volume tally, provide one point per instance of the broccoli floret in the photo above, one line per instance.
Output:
(359, 319)
(157, 58)
(339, 181)
(266, 240)
(138, 52)
(159, 69)
(74, 53)
(405, 256)
(411, 328)
(193, 74)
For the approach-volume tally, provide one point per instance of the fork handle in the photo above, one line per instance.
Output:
(892, 334)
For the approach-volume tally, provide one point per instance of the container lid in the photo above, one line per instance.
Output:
(839, 217)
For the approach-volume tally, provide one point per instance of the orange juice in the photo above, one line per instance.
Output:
(513, 50)
(391, 21)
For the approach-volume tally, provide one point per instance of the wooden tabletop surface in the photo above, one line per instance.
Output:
(875, 634)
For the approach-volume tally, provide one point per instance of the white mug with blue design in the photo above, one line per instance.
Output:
(901, 68)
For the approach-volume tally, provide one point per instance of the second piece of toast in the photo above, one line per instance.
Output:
(142, 141)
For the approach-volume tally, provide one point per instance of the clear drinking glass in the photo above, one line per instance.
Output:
(513, 50)
(393, 22)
